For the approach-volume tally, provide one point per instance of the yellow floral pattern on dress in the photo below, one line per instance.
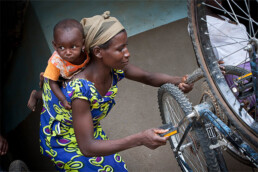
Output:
(57, 137)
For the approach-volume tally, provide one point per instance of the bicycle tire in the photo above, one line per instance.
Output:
(199, 156)
(195, 76)
(207, 61)
(234, 70)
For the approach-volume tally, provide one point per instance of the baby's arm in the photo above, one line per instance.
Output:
(58, 93)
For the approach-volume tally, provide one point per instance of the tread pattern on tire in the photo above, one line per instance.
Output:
(199, 131)
(234, 70)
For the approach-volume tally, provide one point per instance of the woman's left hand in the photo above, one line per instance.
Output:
(184, 86)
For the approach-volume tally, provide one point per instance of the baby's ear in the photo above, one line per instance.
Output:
(54, 45)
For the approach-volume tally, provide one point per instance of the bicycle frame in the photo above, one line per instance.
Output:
(253, 48)
(204, 111)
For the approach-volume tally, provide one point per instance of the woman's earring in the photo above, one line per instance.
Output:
(82, 49)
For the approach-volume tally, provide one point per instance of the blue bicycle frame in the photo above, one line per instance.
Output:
(203, 111)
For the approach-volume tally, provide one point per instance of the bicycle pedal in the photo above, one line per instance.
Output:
(171, 130)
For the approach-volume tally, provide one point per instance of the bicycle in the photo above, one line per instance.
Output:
(226, 99)
(200, 141)
(200, 135)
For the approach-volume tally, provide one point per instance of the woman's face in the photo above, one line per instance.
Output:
(116, 56)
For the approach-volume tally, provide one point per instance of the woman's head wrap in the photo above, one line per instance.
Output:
(99, 29)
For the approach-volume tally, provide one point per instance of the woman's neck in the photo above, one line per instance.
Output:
(96, 72)
(80, 59)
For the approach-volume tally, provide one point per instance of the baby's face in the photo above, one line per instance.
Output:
(69, 44)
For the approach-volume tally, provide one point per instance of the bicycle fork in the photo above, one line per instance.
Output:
(204, 111)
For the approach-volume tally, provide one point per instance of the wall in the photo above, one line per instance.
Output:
(29, 60)
(136, 15)
(31, 57)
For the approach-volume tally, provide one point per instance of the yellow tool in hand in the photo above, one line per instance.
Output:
(171, 130)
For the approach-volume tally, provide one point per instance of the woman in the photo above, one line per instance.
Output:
(74, 139)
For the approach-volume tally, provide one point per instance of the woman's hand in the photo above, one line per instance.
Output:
(3, 146)
(184, 86)
(152, 140)
(222, 68)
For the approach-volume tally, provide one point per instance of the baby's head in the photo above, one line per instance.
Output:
(69, 40)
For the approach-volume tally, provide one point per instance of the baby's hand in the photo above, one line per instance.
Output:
(66, 104)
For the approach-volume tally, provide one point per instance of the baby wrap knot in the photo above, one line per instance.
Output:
(106, 14)
(99, 29)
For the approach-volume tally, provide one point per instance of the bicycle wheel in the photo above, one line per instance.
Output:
(173, 107)
(205, 53)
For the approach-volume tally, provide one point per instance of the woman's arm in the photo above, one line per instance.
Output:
(84, 132)
(155, 79)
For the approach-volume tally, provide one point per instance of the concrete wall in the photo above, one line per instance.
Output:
(31, 57)
(136, 15)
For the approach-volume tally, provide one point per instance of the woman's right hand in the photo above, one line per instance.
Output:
(151, 139)
(222, 68)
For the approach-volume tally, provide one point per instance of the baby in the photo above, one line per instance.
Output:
(68, 59)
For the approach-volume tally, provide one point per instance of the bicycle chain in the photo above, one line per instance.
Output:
(208, 96)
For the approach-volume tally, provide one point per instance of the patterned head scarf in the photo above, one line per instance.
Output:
(99, 29)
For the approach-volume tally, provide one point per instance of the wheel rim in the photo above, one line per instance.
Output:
(230, 103)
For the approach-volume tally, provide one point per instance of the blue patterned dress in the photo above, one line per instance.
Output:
(57, 138)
